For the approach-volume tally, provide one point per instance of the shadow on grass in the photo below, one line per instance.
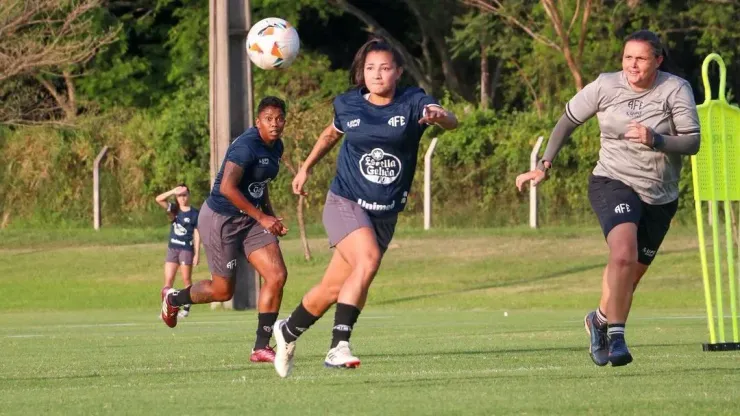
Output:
(511, 283)
(577, 269)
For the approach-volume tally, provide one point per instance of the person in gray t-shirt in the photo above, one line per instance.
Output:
(648, 121)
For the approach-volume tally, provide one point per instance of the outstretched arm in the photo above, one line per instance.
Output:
(563, 129)
(436, 114)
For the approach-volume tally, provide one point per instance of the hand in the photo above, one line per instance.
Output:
(196, 260)
(536, 176)
(637, 133)
(273, 225)
(433, 114)
(179, 190)
(300, 179)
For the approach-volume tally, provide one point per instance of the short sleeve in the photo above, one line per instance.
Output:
(585, 104)
(683, 111)
(338, 105)
(240, 153)
(194, 220)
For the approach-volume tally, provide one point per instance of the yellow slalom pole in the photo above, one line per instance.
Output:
(703, 252)
(728, 207)
(715, 234)
(703, 256)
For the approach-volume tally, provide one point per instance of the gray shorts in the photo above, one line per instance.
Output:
(226, 237)
(179, 256)
(342, 216)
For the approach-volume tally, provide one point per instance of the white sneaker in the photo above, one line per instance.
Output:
(183, 313)
(284, 351)
(341, 357)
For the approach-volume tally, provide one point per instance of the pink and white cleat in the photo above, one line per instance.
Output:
(169, 312)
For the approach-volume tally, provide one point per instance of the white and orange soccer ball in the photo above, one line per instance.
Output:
(273, 43)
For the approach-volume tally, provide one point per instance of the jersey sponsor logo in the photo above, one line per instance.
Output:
(374, 206)
(380, 167)
(264, 161)
(648, 252)
(257, 189)
(397, 121)
(353, 123)
(179, 229)
(634, 108)
(622, 209)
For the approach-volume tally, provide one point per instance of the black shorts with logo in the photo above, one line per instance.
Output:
(616, 203)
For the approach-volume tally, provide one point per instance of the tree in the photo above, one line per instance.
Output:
(47, 40)
(473, 36)
(372, 26)
(519, 16)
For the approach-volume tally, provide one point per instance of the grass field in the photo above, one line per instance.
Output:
(79, 334)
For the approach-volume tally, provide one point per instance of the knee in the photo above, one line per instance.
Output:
(623, 255)
(221, 294)
(368, 263)
(276, 278)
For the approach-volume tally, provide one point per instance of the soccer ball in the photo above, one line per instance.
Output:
(273, 43)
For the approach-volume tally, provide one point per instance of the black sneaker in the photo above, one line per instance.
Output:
(619, 354)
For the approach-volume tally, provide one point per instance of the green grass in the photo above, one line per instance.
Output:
(79, 334)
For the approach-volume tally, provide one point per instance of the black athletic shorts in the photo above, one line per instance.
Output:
(616, 203)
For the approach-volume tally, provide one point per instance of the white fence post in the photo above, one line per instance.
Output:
(533, 189)
(428, 184)
(96, 188)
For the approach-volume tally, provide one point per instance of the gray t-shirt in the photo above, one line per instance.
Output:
(667, 108)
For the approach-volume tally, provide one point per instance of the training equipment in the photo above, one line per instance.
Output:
(273, 43)
(716, 177)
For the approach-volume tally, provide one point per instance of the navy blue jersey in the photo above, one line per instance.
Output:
(260, 164)
(377, 160)
(181, 232)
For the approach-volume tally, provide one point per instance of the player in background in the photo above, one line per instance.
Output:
(382, 125)
(648, 121)
(183, 248)
(237, 219)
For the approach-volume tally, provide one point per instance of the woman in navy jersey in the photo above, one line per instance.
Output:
(183, 248)
(382, 126)
(237, 219)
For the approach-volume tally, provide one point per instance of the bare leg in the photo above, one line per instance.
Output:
(268, 262)
(170, 270)
(621, 269)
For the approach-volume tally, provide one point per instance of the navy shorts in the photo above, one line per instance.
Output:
(616, 203)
